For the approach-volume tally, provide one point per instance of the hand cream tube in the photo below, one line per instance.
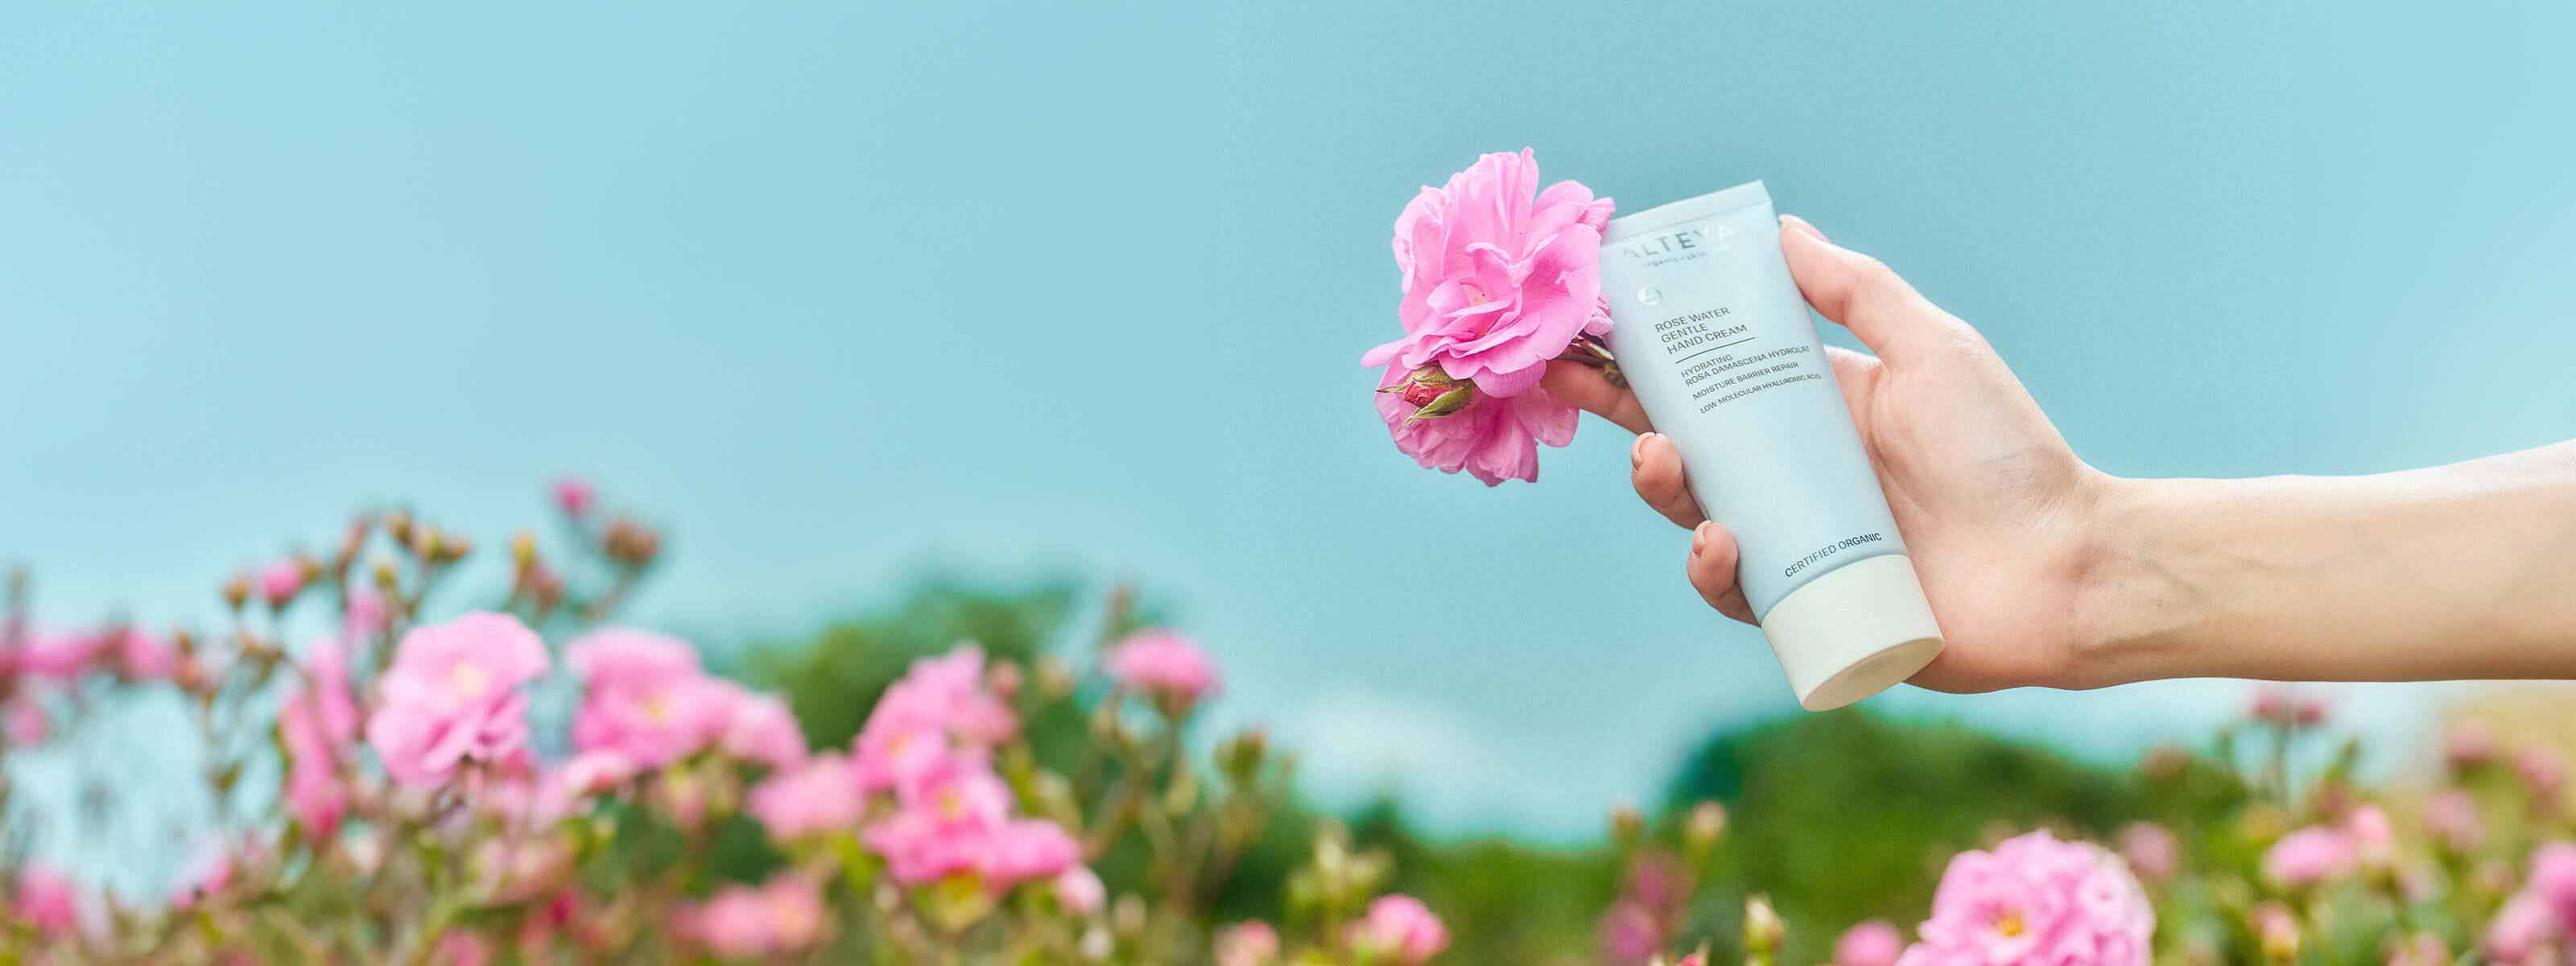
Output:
(1715, 338)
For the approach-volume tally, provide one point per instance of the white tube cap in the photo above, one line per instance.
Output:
(1854, 632)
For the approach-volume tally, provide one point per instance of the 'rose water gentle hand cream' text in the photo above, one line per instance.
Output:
(1715, 338)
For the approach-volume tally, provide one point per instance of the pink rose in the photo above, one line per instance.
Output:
(2521, 929)
(2542, 770)
(574, 496)
(1872, 943)
(2553, 880)
(47, 900)
(1027, 850)
(1248, 943)
(316, 798)
(2034, 900)
(1496, 282)
(2374, 839)
(645, 697)
(1168, 666)
(62, 655)
(2150, 850)
(452, 697)
(1493, 438)
(279, 581)
(144, 655)
(618, 656)
(1400, 929)
(2452, 818)
(582, 776)
(759, 727)
(366, 616)
(815, 798)
(2468, 746)
(26, 721)
(2309, 856)
(938, 710)
(743, 922)
(1080, 891)
(1629, 932)
(461, 948)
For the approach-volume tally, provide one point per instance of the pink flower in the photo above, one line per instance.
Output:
(759, 727)
(1872, 943)
(366, 616)
(2468, 746)
(2374, 840)
(27, 723)
(742, 922)
(1497, 282)
(574, 496)
(47, 900)
(461, 948)
(452, 697)
(1165, 665)
(818, 797)
(1629, 932)
(1080, 891)
(795, 910)
(321, 715)
(316, 797)
(279, 582)
(2150, 850)
(2521, 929)
(1493, 438)
(582, 776)
(145, 655)
(645, 698)
(2034, 900)
(62, 655)
(2309, 856)
(618, 657)
(2542, 770)
(1248, 943)
(938, 710)
(1026, 850)
(731, 923)
(2553, 880)
(2452, 818)
(1400, 929)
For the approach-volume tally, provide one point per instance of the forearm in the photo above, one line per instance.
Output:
(2461, 571)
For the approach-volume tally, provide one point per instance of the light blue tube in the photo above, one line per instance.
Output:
(1719, 346)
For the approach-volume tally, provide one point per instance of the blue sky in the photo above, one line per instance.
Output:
(841, 290)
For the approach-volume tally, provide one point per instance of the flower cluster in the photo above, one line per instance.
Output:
(1499, 278)
(427, 810)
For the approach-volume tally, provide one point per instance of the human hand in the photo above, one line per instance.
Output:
(1997, 512)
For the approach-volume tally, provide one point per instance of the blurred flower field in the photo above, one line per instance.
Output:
(405, 767)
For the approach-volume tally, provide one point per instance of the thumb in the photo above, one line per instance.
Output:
(1856, 291)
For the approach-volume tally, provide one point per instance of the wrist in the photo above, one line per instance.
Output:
(2130, 608)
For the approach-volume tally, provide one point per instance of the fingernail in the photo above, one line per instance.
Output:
(1699, 537)
(1637, 450)
(1800, 224)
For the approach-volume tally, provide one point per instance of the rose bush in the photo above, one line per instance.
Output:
(388, 786)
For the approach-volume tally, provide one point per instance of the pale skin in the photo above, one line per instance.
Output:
(2045, 571)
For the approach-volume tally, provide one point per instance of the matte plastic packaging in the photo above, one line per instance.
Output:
(1719, 346)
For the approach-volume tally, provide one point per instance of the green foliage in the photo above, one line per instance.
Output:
(1845, 816)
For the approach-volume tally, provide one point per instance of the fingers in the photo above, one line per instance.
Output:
(1656, 470)
(1712, 571)
(1584, 386)
(1854, 290)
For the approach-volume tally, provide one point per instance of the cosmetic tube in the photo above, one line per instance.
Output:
(1719, 346)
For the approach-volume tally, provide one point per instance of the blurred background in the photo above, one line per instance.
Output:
(877, 305)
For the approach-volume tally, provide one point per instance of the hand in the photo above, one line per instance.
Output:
(1996, 511)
